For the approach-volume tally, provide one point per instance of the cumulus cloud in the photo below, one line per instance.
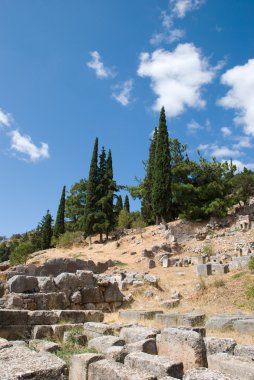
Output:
(122, 92)
(98, 66)
(23, 144)
(242, 142)
(193, 126)
(241, 165)
(226, 131)
(177, 77)
(220, 152)
(5, 118)
(181, 7)
(240, 97)
(169, 37)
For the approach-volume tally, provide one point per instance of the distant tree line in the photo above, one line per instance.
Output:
(174, 186)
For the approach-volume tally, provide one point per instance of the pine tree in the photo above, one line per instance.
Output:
(119, 205)
(161, 189)
(146, 205)
(59, 227)
(92, 192)
(126, 203)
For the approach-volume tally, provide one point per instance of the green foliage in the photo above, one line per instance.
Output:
(21, 253)
(138, 221)
(242, 185)
(75, 205)
(59, 227)
(119, 205)
(218, 283)
(73, 333)
(250, 292)
(208, 249)
(41, 238)
(68, 350)
(70, 238)
(124, 219)
(127, 203)
(251, 264)
(238, 275)
(5, 252)
(162, 181)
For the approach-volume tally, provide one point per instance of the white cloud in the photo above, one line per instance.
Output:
(5, 118)
(224, 152)
(98, 66)
(226, 131)
(240, 165)
(193, 126)
(181, 7)
(167, 20)
(241, 95)
(177, 77)
(167, 37)
(122, 92)
(243, 142)
(23, 144)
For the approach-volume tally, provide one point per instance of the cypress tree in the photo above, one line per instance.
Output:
(92, 192)
(161, 189)
(119, 205)
(126, 203)
(147, 203)
(111, 188)
(59, 227)
(46, 231)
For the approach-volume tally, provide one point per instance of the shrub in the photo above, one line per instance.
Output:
(218, 283)
(21, 253)
(70, 238)
(124, 219)
(208, 250)
(250, 292)
(251, 264)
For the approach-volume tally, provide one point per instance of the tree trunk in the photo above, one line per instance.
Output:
(101, 240)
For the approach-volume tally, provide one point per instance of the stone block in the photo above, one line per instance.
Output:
(205, 374)
(220, 268)
(13, 317)
(138, 315)
(166, 320)
(183, 345)
(244, 326)
(157, 365)
(86, 278)
(80, 364)
(170, 304)
(67, 282)
(43, 346)
(135, 334)
(103, 343)
(51, 301)
(59, 330)
(203, 270)
(23, 284)
(92, 294)
(42, 332)
(42, 317)
(95, 329)
(222, 322)
(107, 369)
(215, 345)
(22, 363)
(147, 345)
(46, 284)
(235, 366)
(113, 293)
(244, 351)
(116, 353)
(79, 316)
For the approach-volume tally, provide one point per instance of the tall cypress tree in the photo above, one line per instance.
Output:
(161, 190)
(126, 203)
(92, 192)
(147, 203)
(59, 227)
(119, 205)
(46, 231)
(111, 188)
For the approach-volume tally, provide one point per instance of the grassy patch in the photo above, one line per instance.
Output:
(218, 283)
(208, 249)
(69, 349)
(250, 292)
(238, 275)
(120, 263)
(251, 264)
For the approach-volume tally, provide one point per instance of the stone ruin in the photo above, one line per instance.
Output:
(244, 222)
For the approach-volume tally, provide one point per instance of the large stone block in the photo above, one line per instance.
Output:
(220, 268)
(79, 316)
(147, 345)
(157, 365)
(86, 278)
(21, 363)
(113, 293)
(185, 320)
(107, 369)
(235, 366)
(43, 345)
(13, 317)
(42, 317)
(80, 364)
(15, 332)
(183, 345)
(244, 326)
(94, 329)
(103, 343)
(135, 334)
(51, 301)
(23, 284)
(215, 345)
(205, 374)
(67, 282)
(46, 284)
(203, 270)
(222, 322)
(42, 332)
(245, 351)
(59, 330)
(92, 294)
(138, 315)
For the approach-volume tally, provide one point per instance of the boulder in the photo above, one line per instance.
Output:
(215, 345)
(95, 329)
(103, 343)
(135, 334)
(80, 364)
(22, 284)
(113, 293)
(147, 345)
(46, 284)
(183, 345)
(159, 366)
(204, 374)
(245, 351)
(43, 345)
(235, 366)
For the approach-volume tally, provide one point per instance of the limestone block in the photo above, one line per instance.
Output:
(103, 343)
(86, 278)
(80, 364)
(147, 345)
(215, 345)
(92, 294)
(51, 301)
(205, 374)
(59, 330)
(235, 366)
(157, 365)
(67, 282)
(95, 329)
(245, 351)
(220, 268)
(203, 270)
(13, 317)
(244, 326)
(113, 293)
(183, 345)
(43, 345)
(41, 332)
(170, 304)
(42, 317)
(135, 334)
(22, 284)
(46, 284)
(116, 353)
(222, 322)
(138, 315)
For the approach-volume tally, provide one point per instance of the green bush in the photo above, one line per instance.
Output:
(70, 238)
(250, 292)
(208, 250)
(21, 253)
(124, 219)
(251, 264)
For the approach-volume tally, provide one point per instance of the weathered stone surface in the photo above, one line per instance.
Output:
(156, 365)
(80, 316)
(67, 282)
(75, 336)
(51, 301)
(43, 345)
(135, 334)
(215, 345)
(86, 278)
(116, 353)
(236, 366)
(151, 279)
(107, 369)
(138, 315)
(92, 294)
(46, 284)
(76, 297)
(13, 317)
(203, 270)
(59, 330)
(113, 293)
(245, 351)
(80, 365)
(220, 268)
(41, 332)
(4, 343)
(204, 374)
(147, 345)
(21, 363)
(42, 317)
(14, 301)
(15, 332)
(103, 343)
(183, 345)
(185, 320)
(222, 322)
(94, 329)
(170, 304)
(22, 284)
(244, 326)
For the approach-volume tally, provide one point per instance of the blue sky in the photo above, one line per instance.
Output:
(74, 70)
